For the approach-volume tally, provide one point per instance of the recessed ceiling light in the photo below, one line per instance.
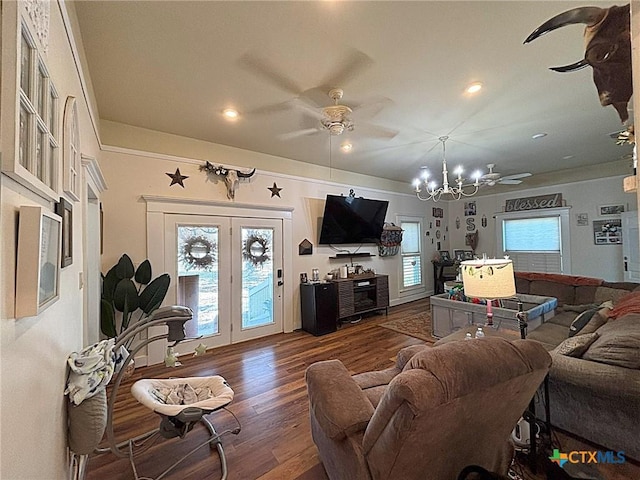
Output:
(538, 135)
(474, 87)
(567, 157)
(230, 113)
(346, 147)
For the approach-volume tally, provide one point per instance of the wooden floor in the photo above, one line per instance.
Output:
(270, 401)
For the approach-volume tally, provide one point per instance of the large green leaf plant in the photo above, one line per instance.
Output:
(130, 291)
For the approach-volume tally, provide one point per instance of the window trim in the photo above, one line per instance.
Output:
(412, 290)
(565, 231)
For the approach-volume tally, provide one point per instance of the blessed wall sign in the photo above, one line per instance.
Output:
(533, 203)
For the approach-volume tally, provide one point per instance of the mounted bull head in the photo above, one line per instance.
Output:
(231, 177)
(607, 50)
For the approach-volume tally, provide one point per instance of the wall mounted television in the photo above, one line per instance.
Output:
(351, 220)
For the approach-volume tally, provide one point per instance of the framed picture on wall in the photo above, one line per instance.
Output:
(607, 232)
(39, 260)
(610, 209)
(65, 210)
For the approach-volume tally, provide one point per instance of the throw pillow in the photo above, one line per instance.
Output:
(595, 323)
(581, 321)
(618, 343)
(576, 346)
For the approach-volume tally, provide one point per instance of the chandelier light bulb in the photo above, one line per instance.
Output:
(457, 191)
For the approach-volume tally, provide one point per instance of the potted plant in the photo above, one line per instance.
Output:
(130, 291)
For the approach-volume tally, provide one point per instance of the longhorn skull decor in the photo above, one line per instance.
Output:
(231, 177)
(607, 50)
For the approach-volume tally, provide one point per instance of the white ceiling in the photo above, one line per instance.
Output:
(174, 66)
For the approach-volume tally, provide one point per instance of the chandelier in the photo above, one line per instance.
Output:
(431, 192)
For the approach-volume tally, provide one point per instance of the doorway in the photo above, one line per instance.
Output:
(228, 270)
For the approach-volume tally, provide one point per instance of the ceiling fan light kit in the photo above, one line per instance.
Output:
(456, 192)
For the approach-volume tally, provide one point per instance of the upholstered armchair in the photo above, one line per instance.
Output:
(438, 410)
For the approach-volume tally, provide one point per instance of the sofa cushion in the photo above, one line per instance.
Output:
(583, 307)
(607, 293)
(585, 294)
(564, 293)
(618, 343)
(630, 286)
(576, 346)
(522, 285)
(549, 334)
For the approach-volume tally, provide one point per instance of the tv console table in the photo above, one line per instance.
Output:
(324, 304)
(361, 294)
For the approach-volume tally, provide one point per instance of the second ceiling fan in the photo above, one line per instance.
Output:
(492, 178)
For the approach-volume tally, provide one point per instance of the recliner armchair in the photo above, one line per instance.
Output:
(438, 410)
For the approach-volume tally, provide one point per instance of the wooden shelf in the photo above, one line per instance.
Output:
(342, 256)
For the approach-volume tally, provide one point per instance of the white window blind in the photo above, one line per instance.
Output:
(411, 255)
(536, 241)
(532, 234)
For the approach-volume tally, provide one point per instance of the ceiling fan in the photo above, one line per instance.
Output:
(337, 118)
(492, 178)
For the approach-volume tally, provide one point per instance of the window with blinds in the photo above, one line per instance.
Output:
(411, 251)
(536, 241)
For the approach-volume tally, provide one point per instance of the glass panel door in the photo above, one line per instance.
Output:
(198, 260)
(259, 271)
(229, 272)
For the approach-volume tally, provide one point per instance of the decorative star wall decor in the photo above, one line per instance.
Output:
(177, 178)
(275, 191)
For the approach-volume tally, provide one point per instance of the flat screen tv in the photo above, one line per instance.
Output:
(350, 220)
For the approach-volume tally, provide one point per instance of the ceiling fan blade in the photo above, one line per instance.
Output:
(376, 130)
(371, 109)
(355, 63)
(516, 176)
(261, 68)
(305, 105)
(507, 181)
(268, 109)
(298, 133)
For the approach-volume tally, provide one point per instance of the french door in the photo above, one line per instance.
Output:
(228, 270)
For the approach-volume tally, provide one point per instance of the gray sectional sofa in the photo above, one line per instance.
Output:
(594, 381)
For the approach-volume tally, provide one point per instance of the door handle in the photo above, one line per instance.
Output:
(280, 283)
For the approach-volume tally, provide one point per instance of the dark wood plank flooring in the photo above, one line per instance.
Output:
(270, 401)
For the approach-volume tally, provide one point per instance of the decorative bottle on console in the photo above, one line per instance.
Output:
(479, 333)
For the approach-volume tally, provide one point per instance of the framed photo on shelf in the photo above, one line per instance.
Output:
(444, 256)
(39, 260)
(65, 210)
(468, 255)
(458, 255)
(610, 209)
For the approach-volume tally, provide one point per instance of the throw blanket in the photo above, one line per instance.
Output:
(183, 394)
(91, 369)
(628, 304)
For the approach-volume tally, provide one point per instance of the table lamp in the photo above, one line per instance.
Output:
(490, 279)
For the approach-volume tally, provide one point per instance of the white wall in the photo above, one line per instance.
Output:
(34, 350)
(131, 174)
(588, 259)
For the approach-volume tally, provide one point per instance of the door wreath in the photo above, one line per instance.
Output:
(198, 252)
(255, 249)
